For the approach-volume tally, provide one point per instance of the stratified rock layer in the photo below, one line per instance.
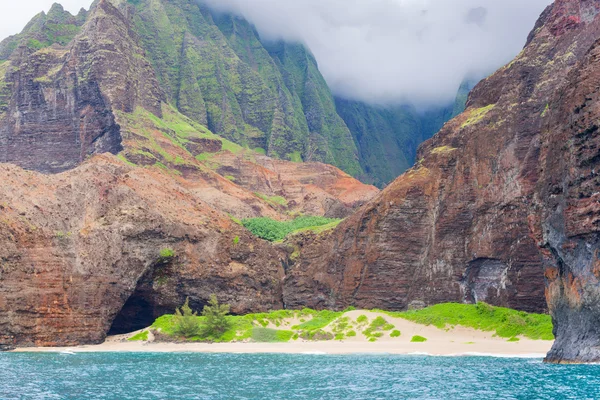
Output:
(503, 192)
(75, 247)
(111, 244)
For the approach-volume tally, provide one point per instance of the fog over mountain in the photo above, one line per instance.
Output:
(378, 51)
(386, 51)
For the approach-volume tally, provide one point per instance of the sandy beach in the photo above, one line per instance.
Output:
(440, 342)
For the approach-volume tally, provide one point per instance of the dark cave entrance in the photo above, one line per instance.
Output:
(148, 301)
(137, 313)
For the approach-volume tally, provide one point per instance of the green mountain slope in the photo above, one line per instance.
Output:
(387, 138)
(266, 96)
(216, 70)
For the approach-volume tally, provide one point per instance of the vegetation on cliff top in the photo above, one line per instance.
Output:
(271, 230)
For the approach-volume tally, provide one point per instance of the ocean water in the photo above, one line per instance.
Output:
(274, 376)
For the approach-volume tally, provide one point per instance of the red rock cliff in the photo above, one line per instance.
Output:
(465, 224)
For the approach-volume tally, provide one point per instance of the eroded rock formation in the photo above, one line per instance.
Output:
(503, 192)
(75, 245)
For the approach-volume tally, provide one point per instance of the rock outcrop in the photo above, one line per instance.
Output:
(107, 244)
(503, 192)
(79, 249)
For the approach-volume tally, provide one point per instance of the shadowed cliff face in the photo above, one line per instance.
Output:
(470, 222)
(570, 199)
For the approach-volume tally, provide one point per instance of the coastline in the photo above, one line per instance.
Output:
(529, 349)
(440, 342)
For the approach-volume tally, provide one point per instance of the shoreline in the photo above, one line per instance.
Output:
(455, 341)
(491, 348)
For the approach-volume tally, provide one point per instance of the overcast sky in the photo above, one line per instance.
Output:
(380, 51)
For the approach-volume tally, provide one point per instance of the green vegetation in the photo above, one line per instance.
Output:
(546, 110)
(443, 150)
(477, 114)
(167, 253)
(236, 240)
(140, 337)
(273, 200)
(505, 322)
(418, 339)
(266, 335)
(215, 318)
(185, 321)
(319, 320)
(216, 71)
(271, 230)
(376, 328)
(275, 326)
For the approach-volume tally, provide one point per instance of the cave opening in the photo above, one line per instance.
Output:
(147, 302)
(137, 313)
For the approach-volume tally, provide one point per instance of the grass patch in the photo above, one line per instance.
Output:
(477, 114)
(443, 150)
(167, 253)
(140, 337)
(418, 339)
(376, 327)
(513, 339)
(505, 322)
(266, 335)
(320, 319)
(273, 200)
(395, 333)
(271, 230)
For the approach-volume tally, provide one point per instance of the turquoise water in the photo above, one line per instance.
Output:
(271, 376)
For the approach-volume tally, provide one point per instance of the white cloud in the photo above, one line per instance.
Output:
(379, 51)
(389, 51)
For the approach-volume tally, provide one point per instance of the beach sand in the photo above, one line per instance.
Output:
(442, 342)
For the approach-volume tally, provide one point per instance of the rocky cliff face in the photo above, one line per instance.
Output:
(77, 246)
(499, 195)
(569, 200)
(114, 242)
(387, 138)
(216, 71)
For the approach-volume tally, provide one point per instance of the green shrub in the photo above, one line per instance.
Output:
(513, 339)
(185, 321)
(271, 230)
(236, 240)
(215, 318)
(167, 253)
(351, 333)
(418, 339)
(140, 337)
(362, 319)
(339, 336)
(377, 325)
(395, 333)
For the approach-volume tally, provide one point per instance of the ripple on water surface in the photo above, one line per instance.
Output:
(280, 376)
